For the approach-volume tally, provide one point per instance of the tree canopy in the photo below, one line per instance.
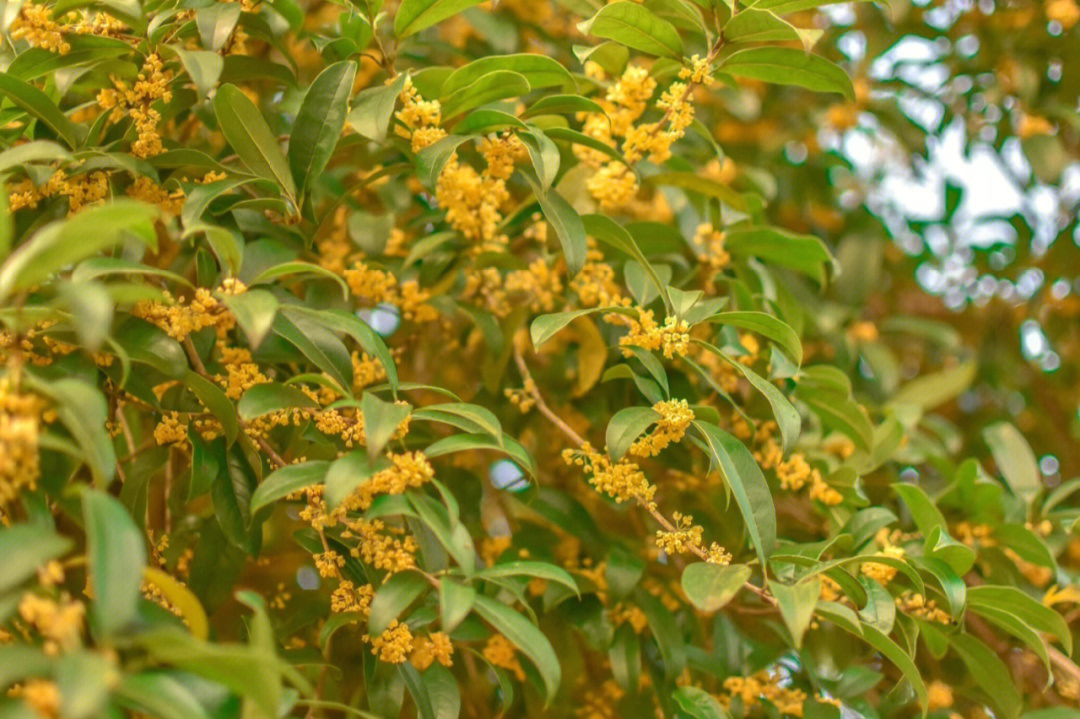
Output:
(434, 358)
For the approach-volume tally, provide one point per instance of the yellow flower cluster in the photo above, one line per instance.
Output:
(623, 613)
(20, 428)
(768, 686)
(939, 695)
(883, 573)
(41, 695)
(241, 373)
(675, 418)
(171, 430)
(622, 481)
(377, 547)
(1065, 12)
(917, 605)
(711, 253)
(377, 286)
(347, 597)
(145, 189)
(421, 118)
(436, 647)
(796, 472)
(180, 319)
(393, 645)
(36, 25)
(595, 284)
(614, 184)
(685, 538)
(473, 200)
(501, 653)
(90, 188)
(406, 470)
(672, 338)
(60, 623)
(136, 102)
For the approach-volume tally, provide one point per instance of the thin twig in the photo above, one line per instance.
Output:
(576, 438)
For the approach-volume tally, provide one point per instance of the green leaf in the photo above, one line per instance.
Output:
(1024, 607)
(787, 417)
(709, 587)
(25, 548)
(347, 473)
(990, 672)
(255, 311)
(879, 641)
(937, 388)
(759, 25)
(82, 409)
(317, 343)
(231, 491)
(216, 24)
(636, 27)
(701, 185)
(537, 570)
(160, 695)
(539, 70)
(393, 597)
(788, 66)
(544, 155)
(202, 66)
(381, 421)
(432, 159)
(288, 479)
(38, 104)
(271, 397)
(579, 138)
(566, 222)
(496, 85)
(483, 121)
(471, 418)
(743, 476)
(607, 231)
(215, 400)
(249, 135)
(926, 515)
(625, 426)
(698, 704)
(562, 105)
(472, 442)
(65, 242)
(319, 123)
(369, 341)
(803, 253)
(526, 637)
(116, 555)
(840, 410)
(33, 151)
(767, 326)
(1014, 459)
(455, 602)
(797, 603)
(373, 108)
(415, 15)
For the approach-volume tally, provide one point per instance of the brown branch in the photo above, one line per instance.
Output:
(542, 406)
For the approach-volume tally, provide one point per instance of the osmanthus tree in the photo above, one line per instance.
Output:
(434, 359)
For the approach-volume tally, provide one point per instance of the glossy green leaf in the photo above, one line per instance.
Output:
(788, 66)
(636, 27)
(319, 123)
(249, 135)
(116, 554)
(709, 587)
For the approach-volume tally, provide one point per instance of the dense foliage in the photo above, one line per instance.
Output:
(433, 358)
